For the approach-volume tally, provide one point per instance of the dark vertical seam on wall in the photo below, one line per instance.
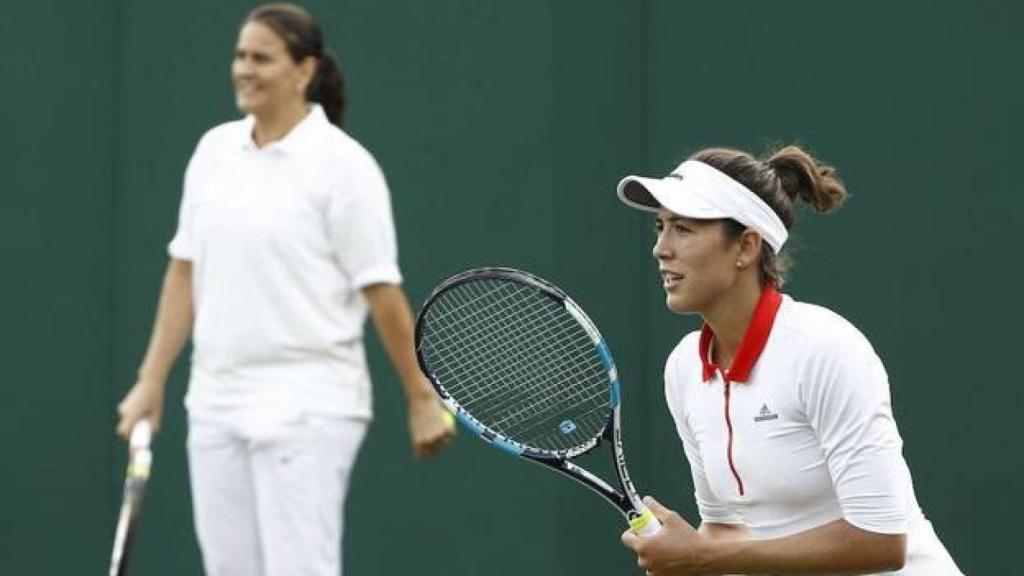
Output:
(561, 543)
(643, 71)
(113, 246)
(552, 125)
(647, 372)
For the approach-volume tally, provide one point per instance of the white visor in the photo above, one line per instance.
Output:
(696, 190)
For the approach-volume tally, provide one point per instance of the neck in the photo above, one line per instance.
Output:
(730, 316)
(274, 125)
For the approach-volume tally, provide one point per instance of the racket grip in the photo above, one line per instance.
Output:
(142, 434)
(140, 458)
(645, 524)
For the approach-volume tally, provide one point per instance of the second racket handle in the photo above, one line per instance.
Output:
(140, 458)
(142, 435)
(645, 524)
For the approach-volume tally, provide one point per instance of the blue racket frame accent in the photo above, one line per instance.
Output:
(614, 397)
(468, 421)
(606, 356)
(506, 445)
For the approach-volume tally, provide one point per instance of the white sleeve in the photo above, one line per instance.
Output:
(712, 510)
(360, 225)
(182, 246)
(848, 405)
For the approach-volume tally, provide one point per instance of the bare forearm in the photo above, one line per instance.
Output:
(835, 548)
(173, 323)
(724, 532)
(392, 317)
(428, 428)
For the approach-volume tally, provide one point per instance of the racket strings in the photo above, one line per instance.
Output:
(481, 344)
(525, 418)
(520, 326)
(516, 360)
(562, 371)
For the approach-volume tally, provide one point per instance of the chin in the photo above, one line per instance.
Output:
(246, 105)
(679, 305)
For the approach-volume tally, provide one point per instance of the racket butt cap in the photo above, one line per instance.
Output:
(645, 524)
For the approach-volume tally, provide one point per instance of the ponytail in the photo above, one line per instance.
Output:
(787, 175)
(328, 89)
(804, 177)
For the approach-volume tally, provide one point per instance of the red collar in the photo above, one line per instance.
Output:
(753, 343)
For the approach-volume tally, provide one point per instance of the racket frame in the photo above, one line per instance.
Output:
(140, 459)
(627, 501)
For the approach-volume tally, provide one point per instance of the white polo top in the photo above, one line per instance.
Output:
(281, 240)
(798, 432)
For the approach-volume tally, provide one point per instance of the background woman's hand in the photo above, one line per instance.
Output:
(430, 426)
(144, 400)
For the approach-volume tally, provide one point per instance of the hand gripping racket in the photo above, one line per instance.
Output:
(520, 365)
(139, 460)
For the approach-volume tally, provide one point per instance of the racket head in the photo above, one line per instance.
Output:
(518, 362)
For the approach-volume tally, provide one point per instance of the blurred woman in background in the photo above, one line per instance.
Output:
(285, 243)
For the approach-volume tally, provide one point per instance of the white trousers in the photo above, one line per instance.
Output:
(268, 491)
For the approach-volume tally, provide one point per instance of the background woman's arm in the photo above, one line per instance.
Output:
(171, 331)
(392, 318)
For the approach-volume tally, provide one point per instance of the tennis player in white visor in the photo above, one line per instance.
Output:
(783, 407)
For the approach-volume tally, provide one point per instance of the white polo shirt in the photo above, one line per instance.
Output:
(281, 241)
(798, 432)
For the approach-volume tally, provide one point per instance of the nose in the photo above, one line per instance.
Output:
(661, 250)
(242, 67)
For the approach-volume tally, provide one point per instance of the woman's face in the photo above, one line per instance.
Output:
(696, 260)
(266, 78)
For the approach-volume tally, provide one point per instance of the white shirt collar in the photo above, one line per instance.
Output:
(297, 138)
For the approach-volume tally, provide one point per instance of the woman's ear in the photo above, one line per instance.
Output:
(307, 70)
(750, 248)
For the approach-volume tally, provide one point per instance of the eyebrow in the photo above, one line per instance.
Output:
(252, 51)
(674, 218)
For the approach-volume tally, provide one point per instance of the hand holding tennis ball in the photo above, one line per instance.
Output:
(449, 420)
(431, 425)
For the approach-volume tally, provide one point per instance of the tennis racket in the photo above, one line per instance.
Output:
(523, 367)
(139, 460)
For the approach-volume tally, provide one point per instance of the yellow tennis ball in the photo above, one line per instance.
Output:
(449, 419)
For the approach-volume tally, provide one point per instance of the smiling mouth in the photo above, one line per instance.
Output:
(670, 279)
(246, 89)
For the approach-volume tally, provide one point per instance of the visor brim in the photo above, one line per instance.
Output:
(672, 194)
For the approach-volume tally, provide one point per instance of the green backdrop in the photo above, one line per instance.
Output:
(503, 128)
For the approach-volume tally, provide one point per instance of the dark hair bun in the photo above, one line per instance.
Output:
(804, 177)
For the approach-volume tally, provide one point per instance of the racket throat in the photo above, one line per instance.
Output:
(596, 484)
(632, 499)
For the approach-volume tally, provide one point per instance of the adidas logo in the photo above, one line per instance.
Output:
(765, 414)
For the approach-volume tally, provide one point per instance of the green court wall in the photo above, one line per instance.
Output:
(503, 128)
